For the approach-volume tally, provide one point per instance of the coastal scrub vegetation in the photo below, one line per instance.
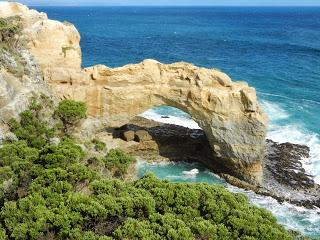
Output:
(99, 145)
(10, 44)
(9, 28)
(49, 190)
(70, 113)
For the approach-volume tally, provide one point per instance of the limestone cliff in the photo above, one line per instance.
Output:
(20, 75)
(227, 111)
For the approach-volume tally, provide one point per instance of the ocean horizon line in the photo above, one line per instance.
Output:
(170, 6)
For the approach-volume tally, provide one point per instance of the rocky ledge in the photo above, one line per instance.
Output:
(227, 110)
(284, 177)
(233, 141)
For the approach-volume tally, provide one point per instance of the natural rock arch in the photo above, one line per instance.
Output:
(227, 111)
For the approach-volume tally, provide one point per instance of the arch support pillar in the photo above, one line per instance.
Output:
(227, 111)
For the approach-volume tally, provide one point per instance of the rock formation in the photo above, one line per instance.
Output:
(20, 76)
(227, 111)
(284, 177)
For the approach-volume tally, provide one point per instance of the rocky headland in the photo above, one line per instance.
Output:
(232, 143)
(284, 177)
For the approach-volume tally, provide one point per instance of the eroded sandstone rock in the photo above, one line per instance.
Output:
(284, 177)
(128, 136)
(227, 111)
(142, 136)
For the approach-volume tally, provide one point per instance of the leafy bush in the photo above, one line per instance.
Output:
(118, 162)
(46, 192)
(70, 112)
(2, 233)
(62, 155)
(35, 132)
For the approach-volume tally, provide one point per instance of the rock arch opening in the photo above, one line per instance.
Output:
(167, 133)
(227, 111)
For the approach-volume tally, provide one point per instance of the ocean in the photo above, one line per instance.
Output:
(276, 50)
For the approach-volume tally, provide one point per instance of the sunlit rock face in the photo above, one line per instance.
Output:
(20, 76)
(227, 111)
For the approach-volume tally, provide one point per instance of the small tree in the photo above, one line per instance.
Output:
(70, 113)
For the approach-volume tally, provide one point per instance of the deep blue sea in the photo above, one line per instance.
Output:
(276, 50)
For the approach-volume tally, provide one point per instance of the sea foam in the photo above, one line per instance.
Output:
(293, 133)
(293, 217)
(278, 132)
(167, 118)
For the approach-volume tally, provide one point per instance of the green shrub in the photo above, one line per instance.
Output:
(3, 234)
(10, 45)
(66, 153)
(118, 162)
(46, 192)
(99, 145)
(31, 127)
(70, 112)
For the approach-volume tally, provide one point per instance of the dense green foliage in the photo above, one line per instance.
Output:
(51, 191)
(30, 128)
(118, 162)
(70, 112)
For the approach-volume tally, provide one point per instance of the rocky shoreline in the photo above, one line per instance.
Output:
(284, 178)
(231, 143)
(228, 111)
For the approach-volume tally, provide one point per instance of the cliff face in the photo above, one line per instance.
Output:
(227, 111)
(20, 75)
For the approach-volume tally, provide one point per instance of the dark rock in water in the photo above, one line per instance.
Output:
(284, 161)
(169, 142)
(284, 177)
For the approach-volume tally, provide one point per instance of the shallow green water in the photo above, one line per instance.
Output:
(174, 172)
(292, 217)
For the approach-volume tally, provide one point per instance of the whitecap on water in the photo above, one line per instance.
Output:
(274, 111)
(277, 132)
(293, 217)
(181, 121)
(192, 173)
(289, 98)
(296, 134)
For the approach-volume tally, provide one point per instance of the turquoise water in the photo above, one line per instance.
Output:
(174, 172)
(276, 50)
(296, 218)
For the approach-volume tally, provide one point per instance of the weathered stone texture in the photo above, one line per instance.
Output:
(227, 111)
